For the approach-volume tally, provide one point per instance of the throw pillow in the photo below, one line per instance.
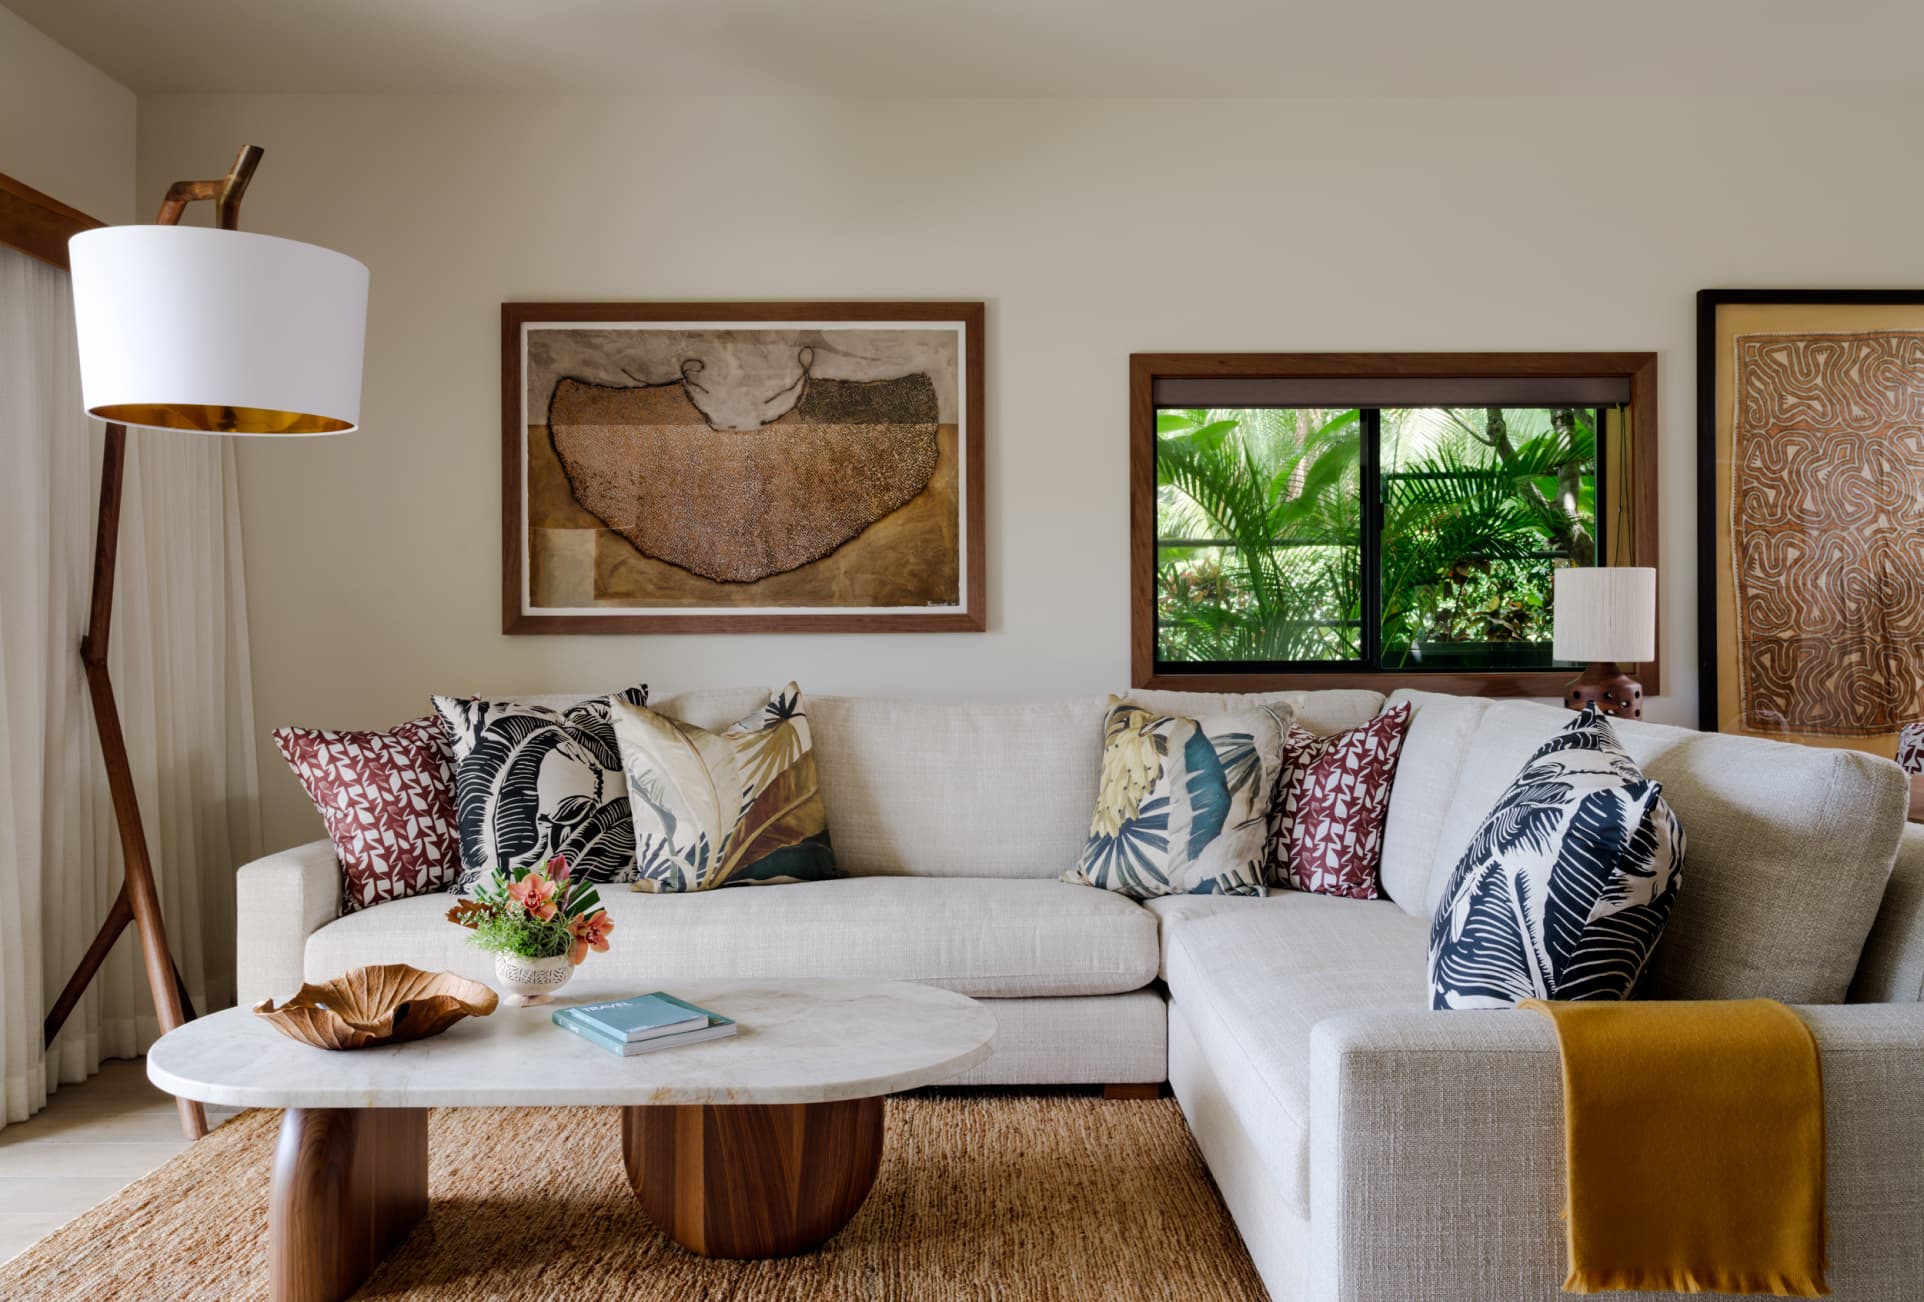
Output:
(730, 808)
(1332, 800)
(531, 783)
(1183, 805)
(1910, 748)
(386, 799)
(1567, 884)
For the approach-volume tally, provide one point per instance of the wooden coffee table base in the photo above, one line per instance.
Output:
(752, 1180)
(740, 1180)
(726, 1145)
(349, 1183)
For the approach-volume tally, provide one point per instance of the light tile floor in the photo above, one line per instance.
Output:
(89, 1142)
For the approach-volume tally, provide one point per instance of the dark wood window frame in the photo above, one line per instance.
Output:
(1638, 369)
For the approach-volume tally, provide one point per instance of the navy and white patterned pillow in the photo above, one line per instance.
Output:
(531, 783)
(1567, 884)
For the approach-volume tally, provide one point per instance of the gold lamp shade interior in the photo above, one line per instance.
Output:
(200, 418)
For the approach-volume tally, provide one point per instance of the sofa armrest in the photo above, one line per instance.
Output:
(280, 901)
(1436, 1153)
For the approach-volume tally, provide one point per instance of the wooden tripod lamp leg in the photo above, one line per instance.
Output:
(139, 900)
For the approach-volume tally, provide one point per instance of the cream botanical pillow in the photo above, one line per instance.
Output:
(1184, 804)
(728, 808)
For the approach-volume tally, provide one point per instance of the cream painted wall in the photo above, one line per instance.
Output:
(1093, 229)
(66, 128)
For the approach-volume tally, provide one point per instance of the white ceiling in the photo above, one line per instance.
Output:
(943, 48)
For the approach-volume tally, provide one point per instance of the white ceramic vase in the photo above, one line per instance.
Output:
(528, 981)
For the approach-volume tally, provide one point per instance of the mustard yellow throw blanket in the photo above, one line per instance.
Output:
(1694, 1135)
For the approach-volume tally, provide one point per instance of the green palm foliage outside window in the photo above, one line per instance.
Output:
(1399, 538)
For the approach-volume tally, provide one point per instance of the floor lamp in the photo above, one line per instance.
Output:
(217, 332)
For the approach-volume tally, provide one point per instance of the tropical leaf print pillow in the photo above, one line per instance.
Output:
(732, 808)
(1567, 884)
(531, 783)
(1184, 804)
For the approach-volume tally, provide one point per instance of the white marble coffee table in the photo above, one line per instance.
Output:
(759, 1145)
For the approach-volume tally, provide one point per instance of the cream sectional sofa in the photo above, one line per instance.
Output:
(1370, 1150)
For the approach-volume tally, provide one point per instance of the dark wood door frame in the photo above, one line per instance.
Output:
(1639, 369)
(37, 224)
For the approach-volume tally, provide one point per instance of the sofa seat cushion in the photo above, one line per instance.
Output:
(976, 936)
(1253, 976)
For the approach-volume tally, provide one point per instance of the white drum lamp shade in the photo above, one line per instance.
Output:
(218, 331)
(1605, 613)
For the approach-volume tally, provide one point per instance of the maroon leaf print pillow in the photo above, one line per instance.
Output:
(387, 799)
(1332, 798)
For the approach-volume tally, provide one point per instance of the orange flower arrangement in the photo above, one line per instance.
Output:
(536, 912)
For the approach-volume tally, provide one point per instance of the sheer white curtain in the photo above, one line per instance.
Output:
(180, 666)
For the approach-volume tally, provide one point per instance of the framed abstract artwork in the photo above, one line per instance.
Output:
(750, 467)
(1810, 479)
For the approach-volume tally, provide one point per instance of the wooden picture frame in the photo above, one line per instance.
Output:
(1811, 601)
(643, 516)
(1637, 370)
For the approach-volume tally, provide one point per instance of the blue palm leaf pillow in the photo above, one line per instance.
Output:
(531, 783)
(1184, 804)
(1567, 884)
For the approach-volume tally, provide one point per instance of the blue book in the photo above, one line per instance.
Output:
(709, 1026)
(640, 1017)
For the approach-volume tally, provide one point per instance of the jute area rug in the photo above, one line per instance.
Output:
(996, 1195)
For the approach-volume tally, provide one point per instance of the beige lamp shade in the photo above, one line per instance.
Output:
(1605, 613)
(218, 331)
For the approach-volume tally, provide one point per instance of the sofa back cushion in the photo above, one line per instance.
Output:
(711, 707)
(940, 788)
(1790, 846)
(1323, 713)
(957, 788)
(1892, 971)
(714, 708)
(1427, 772)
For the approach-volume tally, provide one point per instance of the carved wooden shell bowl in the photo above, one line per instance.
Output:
(387, 1004)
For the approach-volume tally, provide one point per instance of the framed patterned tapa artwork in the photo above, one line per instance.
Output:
(751, 467)
(1810, 482)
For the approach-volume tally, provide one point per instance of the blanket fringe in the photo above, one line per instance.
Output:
(1757, 1283)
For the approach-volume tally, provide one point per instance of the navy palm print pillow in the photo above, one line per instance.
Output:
(531, 783)
(1566, 885)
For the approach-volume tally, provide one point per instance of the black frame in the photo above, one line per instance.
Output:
(1370, 632)
(1708, 301)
